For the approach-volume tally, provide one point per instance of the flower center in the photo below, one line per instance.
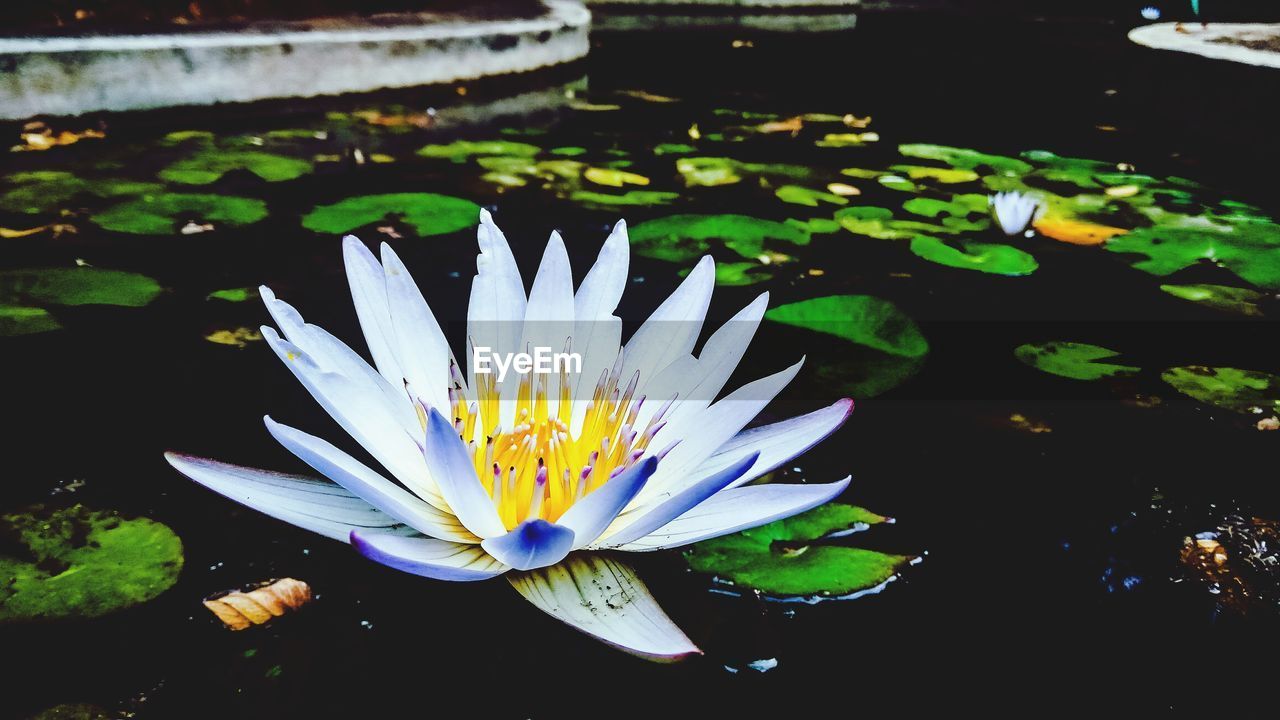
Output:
(540, 467)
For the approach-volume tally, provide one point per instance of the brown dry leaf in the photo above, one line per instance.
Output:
(235, 337)
(791, 125)
(1271, 423)
(1026, 424)
(649, 97)
(854, 121)
(38, 136)
(1076, 232)
(375, 117)
(240, 610)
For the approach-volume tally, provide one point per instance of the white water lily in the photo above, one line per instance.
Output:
(1014, 211)
(517, 480)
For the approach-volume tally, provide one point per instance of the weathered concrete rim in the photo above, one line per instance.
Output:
(64, 76)
(1200, 41)
(560, 13)
(632, 19)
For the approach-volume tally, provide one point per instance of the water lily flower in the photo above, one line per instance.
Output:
(524, 478)
(1014, 211)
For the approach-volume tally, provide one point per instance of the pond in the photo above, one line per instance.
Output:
(1058, 424)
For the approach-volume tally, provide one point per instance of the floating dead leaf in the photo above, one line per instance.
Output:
(791, 125)
(1123, 191)
(1271, 423)
(12, 233)
(1238, 561)
(236, 337)
(694, 132)
(389, 231)
(195, 228)
(1076, 232)
(593, 107)
(843, 189)
(1025, 424)
(239, 610)
(375, 117)
(38, 136)
(854, 121)
(648, 96)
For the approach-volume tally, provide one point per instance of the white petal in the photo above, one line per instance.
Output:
(737, 509)
(640, 521)
(588, 517)
(421, 348)
(369, 485)
(495, 314)
(702, 434)
(597, 334)
(671, 331)
(428, 557)
(778, 442)
(363, 417)
(317, 505)
(603, 598)
(455, 474)
(369, 294)
(531, 545)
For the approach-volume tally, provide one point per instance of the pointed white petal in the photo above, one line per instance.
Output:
(455, 474)
(672, 329)
(363, 416)
(496, 311)
(369, 485)
(588, 517)
(428, 557)
(311, 504)
(736, 509)
(597, 334)
(421, 348)
(369, 294)
(603, 598)
(643, 520)
(778, 442)
(531, 545)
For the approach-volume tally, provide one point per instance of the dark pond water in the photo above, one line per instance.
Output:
(1051, 578)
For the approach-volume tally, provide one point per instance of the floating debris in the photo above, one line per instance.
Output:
(240, 610)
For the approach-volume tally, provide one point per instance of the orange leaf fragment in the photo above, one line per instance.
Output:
(240, 610)
(1076, 232)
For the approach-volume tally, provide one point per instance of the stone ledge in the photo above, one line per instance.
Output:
(728, 4)
(75, 75)
(1219, 41)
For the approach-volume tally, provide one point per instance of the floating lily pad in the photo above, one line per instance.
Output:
(790, 559)
(1220, 297)
(948, 176)
(21, 320)
(49, 190)
(1248, 247)
(83, 563)
(210, 163)
(77, 286)
(461, 150)
(983, 257)
(613, 178)
(673, 149)
(1243, 391)
(887, 347)
(427, 213)
(966, 159)
(808, 197)
(680, 238)
(1078, 361)
(235, 294)
(631, 197)
(161, 214)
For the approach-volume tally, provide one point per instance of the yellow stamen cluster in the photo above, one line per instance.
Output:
(540, 467)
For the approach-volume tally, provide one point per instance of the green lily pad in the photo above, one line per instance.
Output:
(82, 563)
(983, 257)
(786, 559)
(235, 294)
(49, 190)
(21, 320)
(948, 176)
(629, 198)
(966, 159)
(815, 226)
(872, 221)
(680, 238)
(1241, 301)
(161, 214)
(1078, 361)
(861, 319)
(77, 286)
(210, 163)
(427, 213)
(612, 177)
(1248, 247)
(1244, 391)
(799, 195)
(708, 171)
(460, 150)
(897, 182)
(673, 149)
(886, 346)
(569, 151)
(738, 274)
